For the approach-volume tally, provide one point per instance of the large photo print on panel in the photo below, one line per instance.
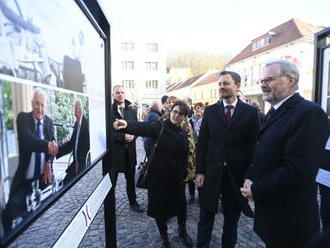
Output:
(52, 86)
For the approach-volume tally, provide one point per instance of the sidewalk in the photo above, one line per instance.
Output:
(139, 230)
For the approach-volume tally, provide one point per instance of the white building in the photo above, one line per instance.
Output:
(138, 62)
(292, 40)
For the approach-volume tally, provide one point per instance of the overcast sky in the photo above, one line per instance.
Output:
(214, 26)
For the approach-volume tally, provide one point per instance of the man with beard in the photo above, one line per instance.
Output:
(288, 153)
(224, 152)
(124, 148)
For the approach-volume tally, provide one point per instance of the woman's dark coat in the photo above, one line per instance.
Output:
(168, 167)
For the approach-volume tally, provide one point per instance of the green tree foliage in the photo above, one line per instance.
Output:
(198, 62)
(8, 105)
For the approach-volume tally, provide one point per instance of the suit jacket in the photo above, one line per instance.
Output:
(123, 151)
(288, 154)
(82, 147)
(28, 143)
(219, 142)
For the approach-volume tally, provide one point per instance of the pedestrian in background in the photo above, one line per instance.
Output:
(153, 115)
(288, 153)
(225, 147)
(261, 116)
(195, 122)
(168, 168)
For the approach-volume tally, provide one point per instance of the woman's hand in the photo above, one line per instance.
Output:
(119, 124)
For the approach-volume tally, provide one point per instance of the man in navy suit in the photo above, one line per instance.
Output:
(224, 152)
(288, 154)
(36, 150)
(79, 144)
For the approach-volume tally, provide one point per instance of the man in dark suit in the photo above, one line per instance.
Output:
(36, 151)
(288, 153)
(224, 151)
(78, 144)
(124, 148)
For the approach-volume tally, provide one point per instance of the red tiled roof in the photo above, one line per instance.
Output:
(284, 33)
(211, 78)
(186, 83)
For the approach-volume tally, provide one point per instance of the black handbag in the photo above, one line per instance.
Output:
(141, 174)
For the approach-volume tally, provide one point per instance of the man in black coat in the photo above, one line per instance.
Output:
(224, 151)
(124, 148)
(288, 153)
(36, 150)
(78, 144)
(153, 115)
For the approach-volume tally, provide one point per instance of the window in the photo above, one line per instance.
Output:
(127, 46)
(128, 84)
(152, 84)
(127, 65)
(262, 42)
(152, 47)
(151, 66)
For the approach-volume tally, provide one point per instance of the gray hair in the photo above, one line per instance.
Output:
(155, 104)
(39, 91)
(287, 69)
(78, 104)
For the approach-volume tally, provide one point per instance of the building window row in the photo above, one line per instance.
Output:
(262, 42)
(128, 84)
(129, 47)
(152, 84)
(151, 66)
(127, 65)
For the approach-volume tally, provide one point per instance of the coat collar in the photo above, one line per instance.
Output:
(286, 106)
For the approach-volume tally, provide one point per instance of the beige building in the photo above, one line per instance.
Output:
(293, 41)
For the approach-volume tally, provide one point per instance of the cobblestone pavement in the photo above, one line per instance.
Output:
(139, 230)
(134, 230)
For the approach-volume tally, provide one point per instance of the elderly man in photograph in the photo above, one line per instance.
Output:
(288, 154)
(36, 150)
(78, 144)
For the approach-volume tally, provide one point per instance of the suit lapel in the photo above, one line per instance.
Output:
(291, 102)
(220, 112)
(237, 112)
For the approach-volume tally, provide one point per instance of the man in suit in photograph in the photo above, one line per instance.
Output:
(124, 148)
(288, 153)
(79, 144)
(224, 152)
(36, 150)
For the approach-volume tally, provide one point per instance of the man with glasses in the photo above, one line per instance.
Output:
(225, 146)
(288, 153)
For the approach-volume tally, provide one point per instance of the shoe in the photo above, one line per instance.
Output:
(185, 238)
(136, 207)
(165, 241)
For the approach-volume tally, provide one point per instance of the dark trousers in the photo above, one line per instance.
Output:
(191, 188)
(231, 213)
(129, 172)
(181, 218)
(325, 207)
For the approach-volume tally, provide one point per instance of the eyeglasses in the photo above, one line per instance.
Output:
(267, 80)
(175, 112)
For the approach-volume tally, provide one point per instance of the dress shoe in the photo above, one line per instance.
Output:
(136, 207)
(185, 238)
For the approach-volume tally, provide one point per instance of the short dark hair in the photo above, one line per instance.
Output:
(184, 108)
(235, 76)
(164, 99)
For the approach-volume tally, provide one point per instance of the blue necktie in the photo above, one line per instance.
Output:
(38, 154)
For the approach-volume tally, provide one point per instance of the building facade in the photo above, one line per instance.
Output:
(293, 41)
(139, 64)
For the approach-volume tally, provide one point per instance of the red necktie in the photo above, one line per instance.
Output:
(228, 112)
(270, 113)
